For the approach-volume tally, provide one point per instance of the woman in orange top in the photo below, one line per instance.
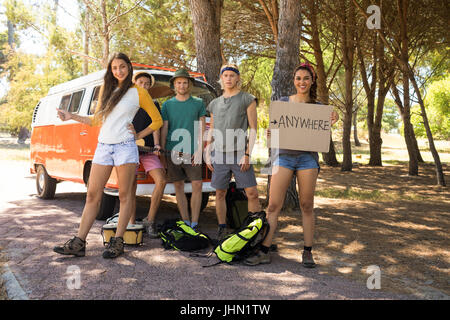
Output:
(118, 103)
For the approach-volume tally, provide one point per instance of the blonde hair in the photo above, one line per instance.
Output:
(229, 65)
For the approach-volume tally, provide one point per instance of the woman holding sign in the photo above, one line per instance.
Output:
(304, 164)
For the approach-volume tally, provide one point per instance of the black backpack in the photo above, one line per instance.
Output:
(179, 236)
(237, 206)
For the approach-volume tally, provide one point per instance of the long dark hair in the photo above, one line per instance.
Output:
(310, 69)
(109, 97)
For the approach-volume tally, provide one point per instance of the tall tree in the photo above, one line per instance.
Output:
(314, 12)
(260, 35)
(287, 58)
(347, 30)
(105, 17)
(402, 59)
(377, 73)
(86, 43)
(206, 16)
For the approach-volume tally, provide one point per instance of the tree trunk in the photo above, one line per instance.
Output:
(348, 50)
(330, 157)
(408, 133)
(439, 172)
(287, 53)
(376, 141)
(370, 93)
(408, 74)
(206, 16)
(346, 144)
(86, 44)
(384, 81)
(322, 89)
(11, 40)
(105, 34)
(404, 57)
(355, 128)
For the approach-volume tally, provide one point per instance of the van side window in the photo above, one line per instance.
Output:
(76, 101)
(65, 102)
(94, 100)
(71, 102)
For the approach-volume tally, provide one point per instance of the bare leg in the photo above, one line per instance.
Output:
(181, 200)
(133, 209)
(306, 180)
(126, 175)
(253, 199)
(196, 200)
(221, 206)
(97, 180)
(158, 176)
(278, 186)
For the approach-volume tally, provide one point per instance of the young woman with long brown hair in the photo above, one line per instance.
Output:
(119, 100)
(304, 164)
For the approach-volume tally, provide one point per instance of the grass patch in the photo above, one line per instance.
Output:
(350, 193)
(3, 293)
(395, 162)
(14, 152)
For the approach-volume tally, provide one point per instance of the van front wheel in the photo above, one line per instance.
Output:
(45, 185)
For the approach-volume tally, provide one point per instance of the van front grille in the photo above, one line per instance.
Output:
(35, 114)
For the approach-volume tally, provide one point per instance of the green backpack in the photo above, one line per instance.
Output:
(179, 236)
(242, 243)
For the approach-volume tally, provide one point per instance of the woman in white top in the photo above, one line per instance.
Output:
(119, 100)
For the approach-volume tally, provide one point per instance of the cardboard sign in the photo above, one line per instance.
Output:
(301, 126)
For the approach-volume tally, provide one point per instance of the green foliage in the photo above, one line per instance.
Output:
(437, 104)
(157, 33)
(4, 48)
(64, 44)
(30, 79)
(19, 14)
(391, 119)
(160, 32)
(256, 75)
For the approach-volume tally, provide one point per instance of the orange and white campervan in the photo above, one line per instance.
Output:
(63, 150)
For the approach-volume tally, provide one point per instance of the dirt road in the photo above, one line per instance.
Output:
(30, 227)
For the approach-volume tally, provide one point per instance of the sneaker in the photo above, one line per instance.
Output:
(307, 259)
(151, 230)
(258, 258)
(114, 248)
(221, 233)
(75, 246)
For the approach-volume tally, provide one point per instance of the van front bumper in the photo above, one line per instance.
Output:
(147, 189)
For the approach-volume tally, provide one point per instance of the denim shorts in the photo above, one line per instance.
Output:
(116, 154)
(296, 162)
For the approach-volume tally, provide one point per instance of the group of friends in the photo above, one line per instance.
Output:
(127, 113)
